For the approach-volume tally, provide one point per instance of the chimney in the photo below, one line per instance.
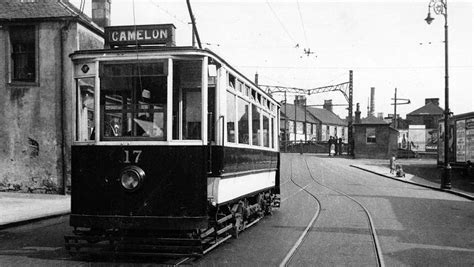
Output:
(101, 12)
(372, 101)
(256, 78)
(432, 100)
(380, 115)
(357, 114)
(300, 100)
(328, 105)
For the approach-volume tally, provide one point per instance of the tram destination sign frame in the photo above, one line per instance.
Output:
(152, 34)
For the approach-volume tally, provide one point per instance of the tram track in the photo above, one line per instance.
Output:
(303, 236)
(290, 255)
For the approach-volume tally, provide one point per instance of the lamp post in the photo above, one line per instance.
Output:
(440, 7)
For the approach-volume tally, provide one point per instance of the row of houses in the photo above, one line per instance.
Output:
(300, 122)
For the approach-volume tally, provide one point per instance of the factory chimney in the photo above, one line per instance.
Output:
(372, 101)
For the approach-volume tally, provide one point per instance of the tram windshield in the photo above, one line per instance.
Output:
(133, 99)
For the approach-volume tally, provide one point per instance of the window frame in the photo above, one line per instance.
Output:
(374, 141)
(102, 108)
(10, 60)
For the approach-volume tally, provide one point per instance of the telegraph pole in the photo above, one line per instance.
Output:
(350, 137)
(395, 110)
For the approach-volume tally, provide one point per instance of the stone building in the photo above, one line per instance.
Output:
(36, 85)
(373, 138)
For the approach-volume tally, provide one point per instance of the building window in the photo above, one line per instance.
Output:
(23, 53)
(370, 134)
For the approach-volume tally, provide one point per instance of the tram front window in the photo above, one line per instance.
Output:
(85, 109)
(133, 100)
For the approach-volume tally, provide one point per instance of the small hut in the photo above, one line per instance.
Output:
(374, 138)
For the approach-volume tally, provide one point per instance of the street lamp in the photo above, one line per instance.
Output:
(440, 7)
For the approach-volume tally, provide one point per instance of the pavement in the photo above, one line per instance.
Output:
(457, 188)
(17, 208)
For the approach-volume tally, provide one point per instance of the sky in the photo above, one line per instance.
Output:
(387, 44)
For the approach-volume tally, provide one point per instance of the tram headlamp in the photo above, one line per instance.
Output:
(132, 177)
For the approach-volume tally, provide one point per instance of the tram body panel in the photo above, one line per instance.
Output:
(240, 172)
(174, 185)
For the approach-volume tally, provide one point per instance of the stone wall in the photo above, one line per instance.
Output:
(36, 119)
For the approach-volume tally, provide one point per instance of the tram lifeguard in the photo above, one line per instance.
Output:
(153, 34)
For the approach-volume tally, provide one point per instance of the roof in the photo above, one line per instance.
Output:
(313, 115)
(289, 111)
(326, 116)
(14, 11)
(428, 109)
(372, 121)
(469, 115)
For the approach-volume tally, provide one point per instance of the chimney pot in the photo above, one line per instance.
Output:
(357, 114)
(328, 105)
(432, 100)
(101, 12)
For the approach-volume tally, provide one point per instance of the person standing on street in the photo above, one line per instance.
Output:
(339, 146)
(329, 145)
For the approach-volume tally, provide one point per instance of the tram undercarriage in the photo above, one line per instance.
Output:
(225, 221)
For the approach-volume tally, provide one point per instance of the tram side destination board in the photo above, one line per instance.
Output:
(153, 34)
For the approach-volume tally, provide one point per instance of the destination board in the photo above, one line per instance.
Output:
(155, 34)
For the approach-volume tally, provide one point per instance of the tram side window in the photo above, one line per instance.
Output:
(85, 109)
(272, 132)
(230, 117)
(187, 99)
(133, 100)
(243, 116)
(255, 126)
(266, 131)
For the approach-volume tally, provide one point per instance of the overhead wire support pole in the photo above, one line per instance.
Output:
(346, 88)
(350, 136)
(193, 21)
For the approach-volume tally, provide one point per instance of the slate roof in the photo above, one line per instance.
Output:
(373, 121)
(326, 116)
(428, 109)
(300, 113)
(14, 11)
(313, 115)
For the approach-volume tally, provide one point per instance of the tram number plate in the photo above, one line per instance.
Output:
(132, 156)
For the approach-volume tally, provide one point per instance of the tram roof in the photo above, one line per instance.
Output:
(168, 49)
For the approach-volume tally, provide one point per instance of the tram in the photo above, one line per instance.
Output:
(174, 151)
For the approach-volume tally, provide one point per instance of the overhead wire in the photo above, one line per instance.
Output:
(302, 23)
(169, 13)
(281, 23)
